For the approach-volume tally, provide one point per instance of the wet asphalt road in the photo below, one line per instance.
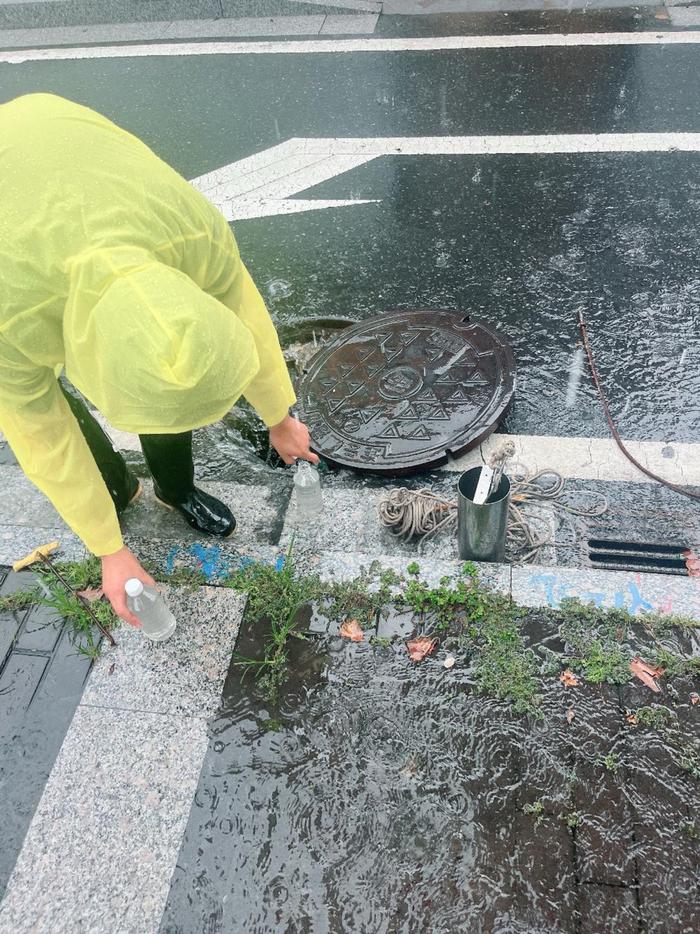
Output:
(522, 241)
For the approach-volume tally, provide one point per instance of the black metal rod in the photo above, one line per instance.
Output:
(52, 567)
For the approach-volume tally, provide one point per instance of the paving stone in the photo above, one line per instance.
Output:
(28, 757)
(345, 25)
(108, 825)
(538, 586)
(181, 676)
(213, 558)
(71, 12)
(608, 908)
(258, 511)
(345, 565)
(9, 627)
(41, 630)
(17, 581)
(19, 680)
(7, 458)
(247, 26)
(16, 541)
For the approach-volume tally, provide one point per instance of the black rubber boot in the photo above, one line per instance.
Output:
(124, 487)
(203, 512)
(169, 458)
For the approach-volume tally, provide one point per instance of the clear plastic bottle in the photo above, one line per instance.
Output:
(307, 487)
(147, 604)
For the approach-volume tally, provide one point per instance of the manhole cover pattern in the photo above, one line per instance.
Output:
(403, 392)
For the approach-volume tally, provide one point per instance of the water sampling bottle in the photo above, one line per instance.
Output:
(307, 488)
(147, 604)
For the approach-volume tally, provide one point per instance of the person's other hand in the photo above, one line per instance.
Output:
(291, 440)
(117, 569)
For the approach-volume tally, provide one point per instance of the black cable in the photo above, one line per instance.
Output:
(684, 491)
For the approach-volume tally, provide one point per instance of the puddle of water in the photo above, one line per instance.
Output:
(379, 795)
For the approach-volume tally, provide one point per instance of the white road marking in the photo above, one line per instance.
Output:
(318, 46)
(259, 185)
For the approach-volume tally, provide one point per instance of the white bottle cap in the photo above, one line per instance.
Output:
(134, 587)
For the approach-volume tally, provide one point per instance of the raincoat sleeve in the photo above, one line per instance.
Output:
(270, 392)
(47, 442)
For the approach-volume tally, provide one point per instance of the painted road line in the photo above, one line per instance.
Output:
(262, 185)
(593, 458)
(102, 846)
(324, 46)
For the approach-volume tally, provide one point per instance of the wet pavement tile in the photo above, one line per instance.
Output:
(42, 674)
(182, 676)
(511, 822)
(608, 908)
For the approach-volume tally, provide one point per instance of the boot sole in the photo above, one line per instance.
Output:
(173, 509)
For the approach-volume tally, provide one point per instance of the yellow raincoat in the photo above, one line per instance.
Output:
(113, 268)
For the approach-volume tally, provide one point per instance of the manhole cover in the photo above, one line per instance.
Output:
(402, 392)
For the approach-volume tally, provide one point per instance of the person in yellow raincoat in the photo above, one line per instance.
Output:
(115, 272)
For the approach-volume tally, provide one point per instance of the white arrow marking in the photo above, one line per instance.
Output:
(261, 185)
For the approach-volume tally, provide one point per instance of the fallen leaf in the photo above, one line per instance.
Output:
(352, 630)
(692, 563)
(570, 715)
(694, 698)
(92, 594)
(646, 673)
(568, 678)
(632, 718)
(421, 646)
(449, 662)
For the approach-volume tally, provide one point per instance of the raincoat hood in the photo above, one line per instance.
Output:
(152, 351)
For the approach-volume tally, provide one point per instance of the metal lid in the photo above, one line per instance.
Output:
(402, 392)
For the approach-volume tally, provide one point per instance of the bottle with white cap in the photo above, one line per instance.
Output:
(307, 487)
(151, 610)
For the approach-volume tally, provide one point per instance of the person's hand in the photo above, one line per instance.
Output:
(117, 569)
(291, 440)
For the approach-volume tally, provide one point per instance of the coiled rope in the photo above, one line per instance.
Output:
(422, 514)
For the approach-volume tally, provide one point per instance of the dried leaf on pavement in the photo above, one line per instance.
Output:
(421, 646)
(694, 698)
(632, 719)
(568, 678)
(92, 594)
(352, 630)
(646, 673)
(570, 715)
(692, 563)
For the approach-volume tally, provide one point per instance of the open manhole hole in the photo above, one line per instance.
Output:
(403, 392)
(638, 556)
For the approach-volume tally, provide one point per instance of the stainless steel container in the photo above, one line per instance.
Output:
(481, 530)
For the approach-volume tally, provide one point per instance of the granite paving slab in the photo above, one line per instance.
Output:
(548, 586)
(100, 851)
(182, 676)
(258, 510)
(16, 541)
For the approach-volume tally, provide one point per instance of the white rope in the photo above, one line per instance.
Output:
(422, 514)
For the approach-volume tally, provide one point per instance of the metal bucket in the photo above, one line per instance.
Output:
(481, 530)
